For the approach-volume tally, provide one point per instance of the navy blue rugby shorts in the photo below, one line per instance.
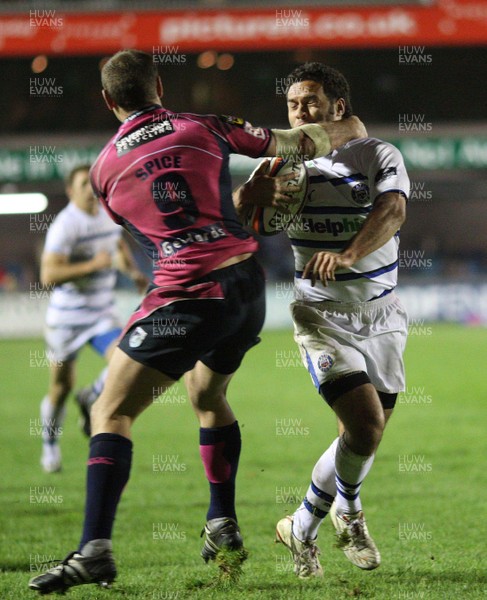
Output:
(215, 320)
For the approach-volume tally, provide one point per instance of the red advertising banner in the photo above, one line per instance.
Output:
(448, 22)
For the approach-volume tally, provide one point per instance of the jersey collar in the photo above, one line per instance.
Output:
(142, 111)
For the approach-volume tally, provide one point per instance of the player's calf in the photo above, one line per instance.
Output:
(356, 403)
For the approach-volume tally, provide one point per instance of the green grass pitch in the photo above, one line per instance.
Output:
(424, 498)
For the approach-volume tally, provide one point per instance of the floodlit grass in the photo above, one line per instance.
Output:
(424, 498)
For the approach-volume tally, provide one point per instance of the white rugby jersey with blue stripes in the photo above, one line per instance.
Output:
(342, 188)
(79, 235)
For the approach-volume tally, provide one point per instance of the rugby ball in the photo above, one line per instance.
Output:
(268, 220)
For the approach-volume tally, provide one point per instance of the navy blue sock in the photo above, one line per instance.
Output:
(108, 472)
(220, 451)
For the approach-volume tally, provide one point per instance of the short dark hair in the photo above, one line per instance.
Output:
(333, 82)
(130, 78)
(72, 174)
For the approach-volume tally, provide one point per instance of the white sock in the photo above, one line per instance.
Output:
(319, 497)
(97, 386)
(99, 382)
(52, 419)
(95, 547)
(350, 469)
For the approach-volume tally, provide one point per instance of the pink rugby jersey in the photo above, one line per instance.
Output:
(165, 178)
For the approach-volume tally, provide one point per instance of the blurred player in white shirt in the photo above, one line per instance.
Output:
(350, 326)
(81, 248)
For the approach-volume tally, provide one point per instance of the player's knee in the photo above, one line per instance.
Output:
(206, 399)
(365, 434)
(358, 406)
(104, 416)
(372, 436)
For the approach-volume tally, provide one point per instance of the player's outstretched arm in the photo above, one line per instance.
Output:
(313, 140)
(56, 268)
(387, 216)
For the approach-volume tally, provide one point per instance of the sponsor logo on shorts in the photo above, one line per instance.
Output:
(137, 337)
(360, 193)
(325, 362)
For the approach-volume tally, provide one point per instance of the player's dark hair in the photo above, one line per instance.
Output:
(333, 82)
(72, 174)
(130, 78)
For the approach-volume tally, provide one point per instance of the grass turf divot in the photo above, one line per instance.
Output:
(229, 564)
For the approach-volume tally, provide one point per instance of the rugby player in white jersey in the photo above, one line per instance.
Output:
(349, 324)
(81, 248)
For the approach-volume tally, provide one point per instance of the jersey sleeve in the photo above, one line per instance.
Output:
(60, 238)
(95, 184)
(241, 136)
(386, 171)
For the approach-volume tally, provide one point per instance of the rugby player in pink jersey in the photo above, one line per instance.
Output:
(165, 178)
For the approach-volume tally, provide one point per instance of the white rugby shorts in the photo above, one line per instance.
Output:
(336, 338)
(65, 342)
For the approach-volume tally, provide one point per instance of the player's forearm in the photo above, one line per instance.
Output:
(387, 216)
(313, 140)
(238, 201)
(55, 275)
(241, 201)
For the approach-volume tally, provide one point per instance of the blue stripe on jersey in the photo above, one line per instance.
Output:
(103, 273)
(366, 274)
(312, 372)
(343, 210)
(95, 236)
(384, 293)
(76, 328)
(87, 292)
(337, 180)
(381, 271)
(318, 244)
(84, 307)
